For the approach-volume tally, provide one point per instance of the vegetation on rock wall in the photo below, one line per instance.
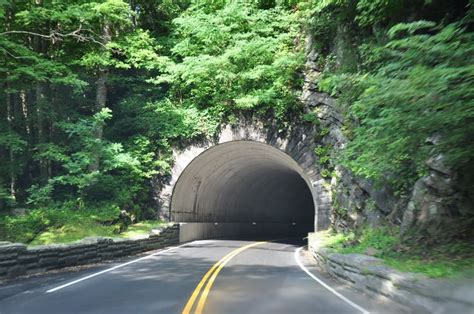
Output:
(403, 75)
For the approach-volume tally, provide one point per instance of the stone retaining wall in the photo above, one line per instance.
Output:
(418, 292)
(17, 259)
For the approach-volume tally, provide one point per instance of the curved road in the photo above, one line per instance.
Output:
(215, 276)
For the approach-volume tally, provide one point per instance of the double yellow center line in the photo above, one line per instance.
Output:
(211, 275)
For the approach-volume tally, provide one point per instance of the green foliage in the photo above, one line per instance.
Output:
(376, 12)
(323, 153)
(324, 132)
(326, 173)
(321, 5)
(341, 211)
(423, 89)
(12, 141)
(6, 199)
(321, 150)
(436, 267)
(412, 83)
(174, 70)
(381, 239)
(174, 122)
(82, 151)
(76, 230)
(403, 29)
(234, 58)
(164, 90)
(25, 228)
(141, 229)
(69, 223)
(73, 231)
(311, 118)
(449, 260)
(140, 50)
(159, 125)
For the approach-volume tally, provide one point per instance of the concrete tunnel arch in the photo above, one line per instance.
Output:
(244, 186)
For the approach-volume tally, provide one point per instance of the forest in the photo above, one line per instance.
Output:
(97, 93)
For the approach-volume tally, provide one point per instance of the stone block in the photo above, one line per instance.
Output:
(351, 268)
(93, 260)
(32, 266)
(380, 285)
(47, 261)
(11, 248)
(359, 280)
(16, 271)
(3, 270)
(354, 260)
(406, 297)
(398, 278)
(8, 256)
(89, 254)
(70, 260)
(105, 255)
(8, 262)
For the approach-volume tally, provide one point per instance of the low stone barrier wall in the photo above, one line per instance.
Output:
(17, 259)
(420, 293)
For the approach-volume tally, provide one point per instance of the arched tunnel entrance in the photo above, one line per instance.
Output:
(243, 188)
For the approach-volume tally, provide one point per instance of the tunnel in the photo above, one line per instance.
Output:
(242, 188)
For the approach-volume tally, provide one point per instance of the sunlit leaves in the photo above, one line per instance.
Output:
(238, 57)
(423, 87)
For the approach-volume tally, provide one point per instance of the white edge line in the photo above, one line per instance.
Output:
(112, 268)
(322, 283)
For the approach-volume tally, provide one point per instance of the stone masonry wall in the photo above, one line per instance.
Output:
(17, 259)
(420, 293)
(298, 142)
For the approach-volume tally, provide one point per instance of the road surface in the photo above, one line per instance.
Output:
(211, 276)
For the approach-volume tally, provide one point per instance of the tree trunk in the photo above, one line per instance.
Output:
(101, 95)
(24, 111)
(10, 118)
(42, 49)
(40, 99)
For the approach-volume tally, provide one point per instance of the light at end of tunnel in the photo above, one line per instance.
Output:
(254, 223)
(215, 224)
(293, 223)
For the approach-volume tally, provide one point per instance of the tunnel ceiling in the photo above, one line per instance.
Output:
(242, 181)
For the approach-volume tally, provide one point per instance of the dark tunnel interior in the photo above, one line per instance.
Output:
(242, 184)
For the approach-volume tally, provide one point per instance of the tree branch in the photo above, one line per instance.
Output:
(56, 36)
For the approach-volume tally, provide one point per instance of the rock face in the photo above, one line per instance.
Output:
(354, 201)
(435, 202)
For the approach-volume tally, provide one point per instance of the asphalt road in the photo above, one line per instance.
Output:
(242, 277)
